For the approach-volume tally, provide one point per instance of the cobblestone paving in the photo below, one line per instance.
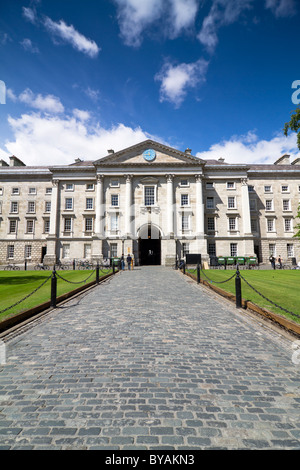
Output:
(149, 360)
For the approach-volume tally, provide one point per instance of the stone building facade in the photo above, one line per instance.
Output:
(152, 201)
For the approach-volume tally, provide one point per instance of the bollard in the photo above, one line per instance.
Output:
(97, 273)
(238, 289)
(74, 264)
(113, 267)
(183, 267)
(53, 288)
(25, 267)
(198, 273)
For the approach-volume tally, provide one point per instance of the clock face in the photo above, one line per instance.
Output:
(149, 155)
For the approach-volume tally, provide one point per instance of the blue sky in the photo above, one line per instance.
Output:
(83, 77)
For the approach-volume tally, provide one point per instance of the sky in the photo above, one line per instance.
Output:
(78, 78)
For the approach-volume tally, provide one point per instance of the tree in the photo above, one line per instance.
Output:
(294, 125)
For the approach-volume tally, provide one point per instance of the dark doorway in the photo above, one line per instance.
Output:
(44, 252)
(150, 246)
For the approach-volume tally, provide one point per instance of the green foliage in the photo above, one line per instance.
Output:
(294, 125)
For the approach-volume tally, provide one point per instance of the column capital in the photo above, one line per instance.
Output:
(244, 181)
(55, 182)
(169, 178)
(128, 178)
(100, 178)
(199, 178)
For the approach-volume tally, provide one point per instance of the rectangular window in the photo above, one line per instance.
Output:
(48, 206)
(90, 187)
(27, 253)
(211, 249)
(89, 204)
(12, 226)
(87, 250)
(290, 250)
(270, 225)
(269, 204)
(287, 225)
(230, 185)
(268, 188)
(252, 203)
(149, 195)
(284, 188)
(115, 200)
(209, 185)
(211, 223)
(32, 191)
(185, 222)
(46, 226)
(250, 188)
(31, 207)
(69, 187)
(48, 190)
(185, 249)
(272, 249)
(14, 207)
(184, 199)
(88, 224)
(67, 225)
(286, 205)
(10, 251)
(1, 191)
(231, 202)
(15, 191)
(232, 223)
(114, 183)
(29, 226)
(68, 203)
(253, 225)
(113, 250)
(66, 250)
(233, 249)
(184, 183)
(114, 222)
(209, 203)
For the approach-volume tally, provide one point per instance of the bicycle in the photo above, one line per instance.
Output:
(11, 267)
(41, 267)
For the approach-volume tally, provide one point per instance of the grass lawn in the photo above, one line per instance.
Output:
(15, 285)
(281, 287)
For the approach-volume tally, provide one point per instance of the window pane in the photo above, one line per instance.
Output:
(149, 196)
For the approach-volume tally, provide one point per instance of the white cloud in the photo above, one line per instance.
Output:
(51, 140)
(136, 16)
(281, 7)
(47, 103)
(249, 149)
(28, 46)
(176, 79)
(30, 14)
(222, 13)
(71, 36)
(81, 115)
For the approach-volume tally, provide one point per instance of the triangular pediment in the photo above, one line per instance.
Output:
(148, 153)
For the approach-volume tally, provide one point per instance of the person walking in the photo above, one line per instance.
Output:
(272, 261)
(280, 262)
(122, 263)
(129, 259)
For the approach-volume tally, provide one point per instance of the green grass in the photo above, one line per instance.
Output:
(281, 287)
(15, 285)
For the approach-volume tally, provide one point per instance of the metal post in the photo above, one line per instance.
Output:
(74, 265)
(198, 273)
(113, 266)
(25, 265)
(97, 273)
(183, 267)
(238, 289)
(53, 288)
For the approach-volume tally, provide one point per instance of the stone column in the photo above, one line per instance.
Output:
(99, 207)
(199, 207)
(50, 257)
(128, 205)
(248, 237)
(170, 206)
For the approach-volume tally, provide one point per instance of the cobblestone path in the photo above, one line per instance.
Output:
(149, 360)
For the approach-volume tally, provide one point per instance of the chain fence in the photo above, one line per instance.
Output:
(26, 297)
(75, 282)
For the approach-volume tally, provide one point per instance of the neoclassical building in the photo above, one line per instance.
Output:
(152, 201)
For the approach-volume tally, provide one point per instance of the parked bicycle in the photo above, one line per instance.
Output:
(11, 267)
(41, 267)
(85, 265)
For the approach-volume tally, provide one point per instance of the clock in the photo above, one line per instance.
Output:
(149, 155)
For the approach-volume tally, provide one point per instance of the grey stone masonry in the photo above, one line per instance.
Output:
(149, 360)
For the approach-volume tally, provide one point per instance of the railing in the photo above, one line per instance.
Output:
(53, 288)
(238, 288)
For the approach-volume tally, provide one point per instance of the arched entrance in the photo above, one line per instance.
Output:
(149, 245)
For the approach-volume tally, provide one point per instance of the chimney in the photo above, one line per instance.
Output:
(221, 159)
(78, 160)
(284, 160)
(110, 151)
(3, 163)
(188, 151)
(14, 161)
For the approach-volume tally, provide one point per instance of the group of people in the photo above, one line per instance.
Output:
(129, 261)
(273, 261)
